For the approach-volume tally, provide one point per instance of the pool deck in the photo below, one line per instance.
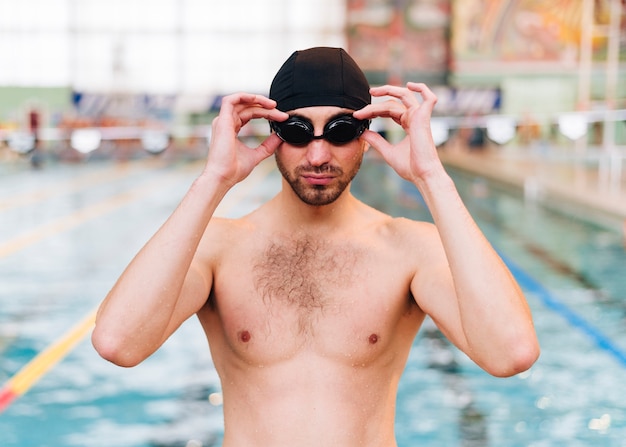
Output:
(558, 179)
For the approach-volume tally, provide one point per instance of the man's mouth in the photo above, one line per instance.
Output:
(318, 179)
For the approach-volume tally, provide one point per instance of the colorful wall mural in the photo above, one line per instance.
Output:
(397, 39)
(524, 35)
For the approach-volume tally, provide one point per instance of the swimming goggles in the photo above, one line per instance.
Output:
(298, 131)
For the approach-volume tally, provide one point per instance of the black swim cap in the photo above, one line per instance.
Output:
(320, 76)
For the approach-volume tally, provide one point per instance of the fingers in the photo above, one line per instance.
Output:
(387, 109)
(406, 94)
(248, 99)
(429, 99)
(405, 99)
(248, 106)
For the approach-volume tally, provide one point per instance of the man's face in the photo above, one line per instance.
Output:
(320, 171)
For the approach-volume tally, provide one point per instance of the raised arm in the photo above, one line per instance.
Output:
(169, 280)
(466, 289)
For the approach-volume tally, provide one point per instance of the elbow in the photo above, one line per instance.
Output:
(519, 358)
(113, 349)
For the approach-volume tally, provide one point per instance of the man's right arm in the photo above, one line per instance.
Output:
(170, 279)
(159, 289)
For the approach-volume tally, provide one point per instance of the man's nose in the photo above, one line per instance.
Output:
(318, 152)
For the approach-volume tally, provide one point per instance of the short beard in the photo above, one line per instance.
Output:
(318, 195)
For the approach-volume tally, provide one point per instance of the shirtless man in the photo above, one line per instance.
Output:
(311, 303)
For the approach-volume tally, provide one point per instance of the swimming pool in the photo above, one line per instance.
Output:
(572, 272)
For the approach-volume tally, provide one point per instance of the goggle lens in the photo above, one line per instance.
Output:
(299, 132)
(295, 132)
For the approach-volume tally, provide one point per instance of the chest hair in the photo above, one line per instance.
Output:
(305, 274)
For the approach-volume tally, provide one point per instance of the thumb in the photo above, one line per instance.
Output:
(267, 147)
(376, 140)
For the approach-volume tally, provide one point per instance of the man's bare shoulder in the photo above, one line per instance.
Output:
(220, 235)
(416, 242)
(409, 226)
(223, 230)
(408, 231)
(224, 225)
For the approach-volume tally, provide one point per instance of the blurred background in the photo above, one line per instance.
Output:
(105, 111)
(134, 65)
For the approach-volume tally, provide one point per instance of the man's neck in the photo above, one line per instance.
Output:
(302, 216)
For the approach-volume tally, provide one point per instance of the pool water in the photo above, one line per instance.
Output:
(571, 270)
(573, 273)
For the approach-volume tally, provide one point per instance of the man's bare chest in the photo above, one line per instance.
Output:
(331, 297)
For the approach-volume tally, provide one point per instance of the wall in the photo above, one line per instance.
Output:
(159, 46)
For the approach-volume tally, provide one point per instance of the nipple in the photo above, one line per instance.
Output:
(244, 336)
(373, 339)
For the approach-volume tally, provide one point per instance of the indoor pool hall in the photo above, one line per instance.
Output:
(69, 229)
(347, 296)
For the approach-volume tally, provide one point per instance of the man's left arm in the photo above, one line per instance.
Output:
(481, 309)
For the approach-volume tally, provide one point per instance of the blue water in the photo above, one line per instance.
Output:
(573, 396)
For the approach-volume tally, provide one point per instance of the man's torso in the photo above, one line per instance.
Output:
(311, 333)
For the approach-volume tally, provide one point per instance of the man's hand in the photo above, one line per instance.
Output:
(229, 159)
(415, 156)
